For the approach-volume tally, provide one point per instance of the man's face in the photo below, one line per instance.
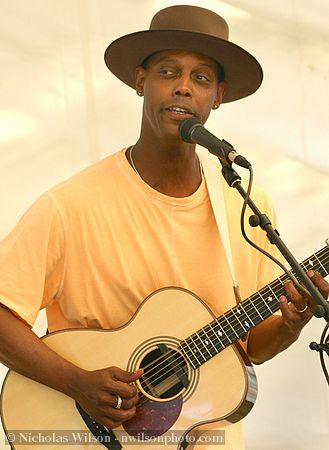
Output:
(177, 85)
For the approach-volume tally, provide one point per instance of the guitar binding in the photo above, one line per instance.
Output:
(101, 434)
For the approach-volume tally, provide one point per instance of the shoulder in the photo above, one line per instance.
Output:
(89, 182)
(214, 177)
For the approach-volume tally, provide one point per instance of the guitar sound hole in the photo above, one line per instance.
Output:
(165, 373)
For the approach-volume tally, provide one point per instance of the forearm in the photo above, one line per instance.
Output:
(270, 338)
(22, 351)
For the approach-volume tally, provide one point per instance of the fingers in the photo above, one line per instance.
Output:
(108, 396)
(301, 301)
(120, 382)
(320, 283)
(299, 311)
(112, 417)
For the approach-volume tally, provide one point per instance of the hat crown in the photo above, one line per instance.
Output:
(190, 18)
(193, 29)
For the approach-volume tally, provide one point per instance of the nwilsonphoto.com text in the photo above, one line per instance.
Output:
(78, 437)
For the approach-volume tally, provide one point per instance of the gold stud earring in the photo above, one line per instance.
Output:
(215, 107)
(140, 94)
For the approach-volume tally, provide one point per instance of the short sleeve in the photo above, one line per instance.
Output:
(32, 260)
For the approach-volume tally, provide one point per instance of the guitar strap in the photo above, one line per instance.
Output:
(215, 188)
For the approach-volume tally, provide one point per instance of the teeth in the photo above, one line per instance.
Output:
(179, 110)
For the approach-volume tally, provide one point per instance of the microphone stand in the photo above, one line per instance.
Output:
(234, 180)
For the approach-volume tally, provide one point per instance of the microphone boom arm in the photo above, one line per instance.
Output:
(234, 180)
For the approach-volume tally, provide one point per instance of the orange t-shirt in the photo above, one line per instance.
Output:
(92, 248)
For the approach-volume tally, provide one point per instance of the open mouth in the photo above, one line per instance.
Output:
(180, 111)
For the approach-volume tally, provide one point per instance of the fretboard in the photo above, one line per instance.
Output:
(235, 323)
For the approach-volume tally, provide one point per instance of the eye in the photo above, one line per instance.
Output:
(202, 77)
(167, 71)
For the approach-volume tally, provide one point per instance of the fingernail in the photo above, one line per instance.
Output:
(311, 273)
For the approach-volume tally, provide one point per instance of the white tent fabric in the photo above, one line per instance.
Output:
(61, 110)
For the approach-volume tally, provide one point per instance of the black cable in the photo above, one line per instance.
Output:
(324, 342)
(250, 242)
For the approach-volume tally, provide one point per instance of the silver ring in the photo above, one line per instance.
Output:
(119, 403)
(301, 310)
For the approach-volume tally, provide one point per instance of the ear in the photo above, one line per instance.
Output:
(139, 79)
(220, 94)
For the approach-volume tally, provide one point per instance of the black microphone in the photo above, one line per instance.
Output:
(319, 347)
(192, 130)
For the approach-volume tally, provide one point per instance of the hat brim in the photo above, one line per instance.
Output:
(243, 73)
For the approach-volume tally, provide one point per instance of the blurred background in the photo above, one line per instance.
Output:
(61, 110)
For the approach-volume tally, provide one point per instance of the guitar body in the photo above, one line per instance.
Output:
(219, 392)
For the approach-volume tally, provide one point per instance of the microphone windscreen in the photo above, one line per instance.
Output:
(186, 127)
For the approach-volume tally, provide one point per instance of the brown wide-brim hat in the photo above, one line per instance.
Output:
(193, 29)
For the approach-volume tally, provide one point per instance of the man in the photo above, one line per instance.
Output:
(91, 249)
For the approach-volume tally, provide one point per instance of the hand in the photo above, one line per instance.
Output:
(97, 392)
(296, 314)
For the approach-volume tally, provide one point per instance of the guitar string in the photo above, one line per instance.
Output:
(196, 336)
(215, 324)
(179, 360)
(152, 376)
(178, 371)
(254, 301)
(163, 360)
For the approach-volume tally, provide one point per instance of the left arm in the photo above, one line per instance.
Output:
(277, 333)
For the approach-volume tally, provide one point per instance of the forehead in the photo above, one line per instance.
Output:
(181, 57)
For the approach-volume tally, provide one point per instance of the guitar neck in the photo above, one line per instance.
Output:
(235, 323)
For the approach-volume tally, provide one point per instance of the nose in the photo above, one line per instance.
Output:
(183, 86)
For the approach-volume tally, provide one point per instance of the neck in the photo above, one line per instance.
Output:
(173, 170)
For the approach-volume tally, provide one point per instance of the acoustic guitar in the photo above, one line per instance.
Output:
(196, 375)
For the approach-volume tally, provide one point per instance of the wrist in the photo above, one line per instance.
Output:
(73, 380)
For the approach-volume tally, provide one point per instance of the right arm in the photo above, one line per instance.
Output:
(96, 391)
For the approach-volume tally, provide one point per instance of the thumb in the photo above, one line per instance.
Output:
(127, 377)
(133, 376)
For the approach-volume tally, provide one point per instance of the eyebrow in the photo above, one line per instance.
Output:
(177, 61)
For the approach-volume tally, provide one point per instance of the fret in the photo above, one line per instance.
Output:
(216, 335)
(238, 310)
(279, 279)
(257, 308)
(324, 270)
(192, 355)
(222, 332)
(265, 302)
(204, 342)
(303, 266)
(240, 323)
(246, 322)
(274, 293)
(208, 339)
(252, 303)
(310, 266)
(196, 349)
(252, 316)
(227, 320)
(311, 263)
(186, 355)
